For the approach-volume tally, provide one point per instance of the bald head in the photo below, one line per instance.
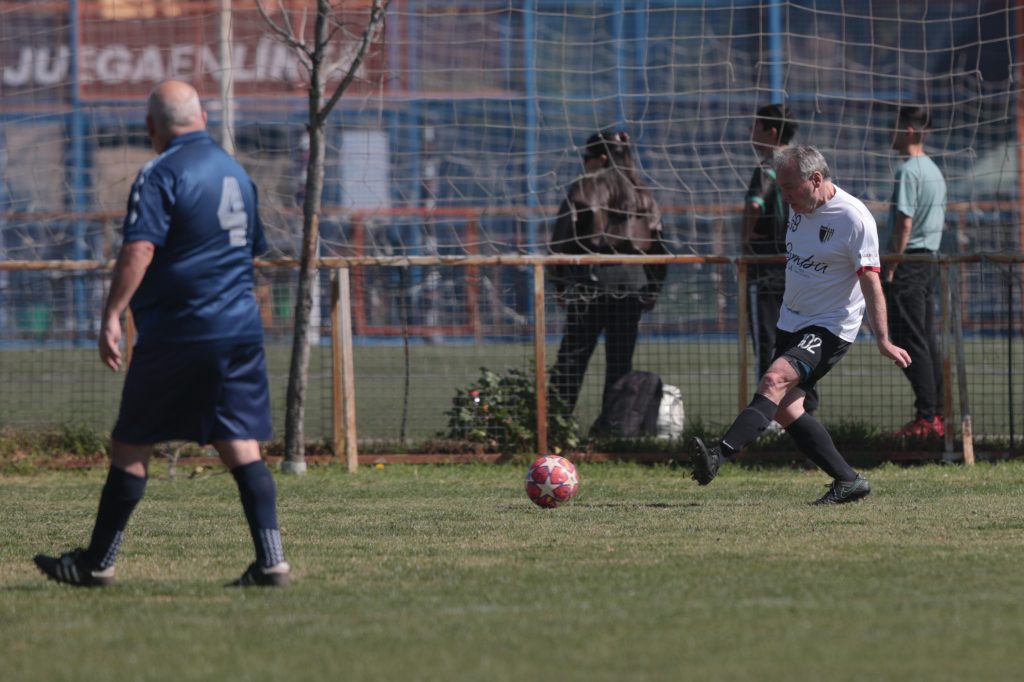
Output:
(173, 109)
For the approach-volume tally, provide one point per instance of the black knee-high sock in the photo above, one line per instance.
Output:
(750, 424)
(259, 500)
(814, 441)
(121, 493)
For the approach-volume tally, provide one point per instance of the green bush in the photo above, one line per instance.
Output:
(31, 450)
(499, 412)
(79, 439)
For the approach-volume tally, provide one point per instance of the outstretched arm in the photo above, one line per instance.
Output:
(871, 285)
(129, 270)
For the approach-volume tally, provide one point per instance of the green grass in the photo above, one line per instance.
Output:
(448, 573)
(53, 386)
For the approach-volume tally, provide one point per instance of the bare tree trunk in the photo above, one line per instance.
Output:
(298, 373)
(313, 57)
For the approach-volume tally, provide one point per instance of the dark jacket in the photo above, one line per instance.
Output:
(587, 224)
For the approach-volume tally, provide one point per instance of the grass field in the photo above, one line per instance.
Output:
(448, 573)
(47, 386)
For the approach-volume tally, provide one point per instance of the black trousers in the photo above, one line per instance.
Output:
(910, 298)
(618, 317)
(765, 301)
(766, 288)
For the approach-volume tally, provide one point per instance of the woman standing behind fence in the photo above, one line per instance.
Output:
(607, 211)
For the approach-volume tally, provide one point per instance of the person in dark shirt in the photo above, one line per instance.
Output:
(764, 234)
(198, 370)
(606, 211)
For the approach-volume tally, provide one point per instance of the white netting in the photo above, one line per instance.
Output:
(461, 137)
(464, 130)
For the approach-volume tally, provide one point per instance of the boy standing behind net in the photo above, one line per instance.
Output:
(764, 234)
(917, 217)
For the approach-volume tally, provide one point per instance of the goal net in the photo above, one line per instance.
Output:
(463, 131)
(464, 128)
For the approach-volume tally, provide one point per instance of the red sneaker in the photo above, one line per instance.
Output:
(922, 428)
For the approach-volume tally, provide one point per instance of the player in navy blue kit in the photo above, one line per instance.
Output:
(832, 281)
(198, 370)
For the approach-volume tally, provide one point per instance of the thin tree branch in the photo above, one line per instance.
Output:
(377, 15)
(338, 22)
(334, 31)
(302, 27)
(286, 34)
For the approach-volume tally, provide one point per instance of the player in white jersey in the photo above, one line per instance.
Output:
(826, 252)
(832, 279)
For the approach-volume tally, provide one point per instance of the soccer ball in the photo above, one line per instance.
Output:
(551, 480)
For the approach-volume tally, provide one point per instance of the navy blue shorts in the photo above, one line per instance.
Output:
(813, 351)
(195, 392)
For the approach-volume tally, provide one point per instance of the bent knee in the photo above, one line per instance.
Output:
(776, 381)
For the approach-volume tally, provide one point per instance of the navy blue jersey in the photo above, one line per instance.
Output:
(199, 207)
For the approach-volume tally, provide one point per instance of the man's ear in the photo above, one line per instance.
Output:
(153, 136)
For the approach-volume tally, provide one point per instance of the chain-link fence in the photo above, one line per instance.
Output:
(425, 328)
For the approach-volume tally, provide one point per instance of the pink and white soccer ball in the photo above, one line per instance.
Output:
(551, 480)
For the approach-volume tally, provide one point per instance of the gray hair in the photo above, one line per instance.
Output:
(174, 108)
(808, 159)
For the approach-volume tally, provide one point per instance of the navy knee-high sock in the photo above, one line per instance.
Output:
(259, 500)
(814, 441)
(750, 424)
(121, 493)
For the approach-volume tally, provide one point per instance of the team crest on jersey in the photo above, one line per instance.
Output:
(825, 233)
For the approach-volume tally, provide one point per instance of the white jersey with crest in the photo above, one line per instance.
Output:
(826, 251)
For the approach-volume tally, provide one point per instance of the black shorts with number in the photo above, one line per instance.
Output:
(813, 351)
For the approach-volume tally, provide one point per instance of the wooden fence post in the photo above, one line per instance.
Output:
(742, 329)
(540, 357)
(946, 335)
(343, 384)
(966, 425)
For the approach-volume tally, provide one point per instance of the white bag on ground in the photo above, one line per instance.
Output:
(670, 413)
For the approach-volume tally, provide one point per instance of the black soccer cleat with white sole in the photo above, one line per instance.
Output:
(278, 575)
(706, 461)
(71, 568)
(843, 492)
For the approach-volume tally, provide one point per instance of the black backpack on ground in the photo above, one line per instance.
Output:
(632, 407)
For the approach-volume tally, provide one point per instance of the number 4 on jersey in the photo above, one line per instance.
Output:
(231, 212)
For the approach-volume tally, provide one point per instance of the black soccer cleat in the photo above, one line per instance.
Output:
(278, 575)
(71, 568)
(706, 461)
(843, 492)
